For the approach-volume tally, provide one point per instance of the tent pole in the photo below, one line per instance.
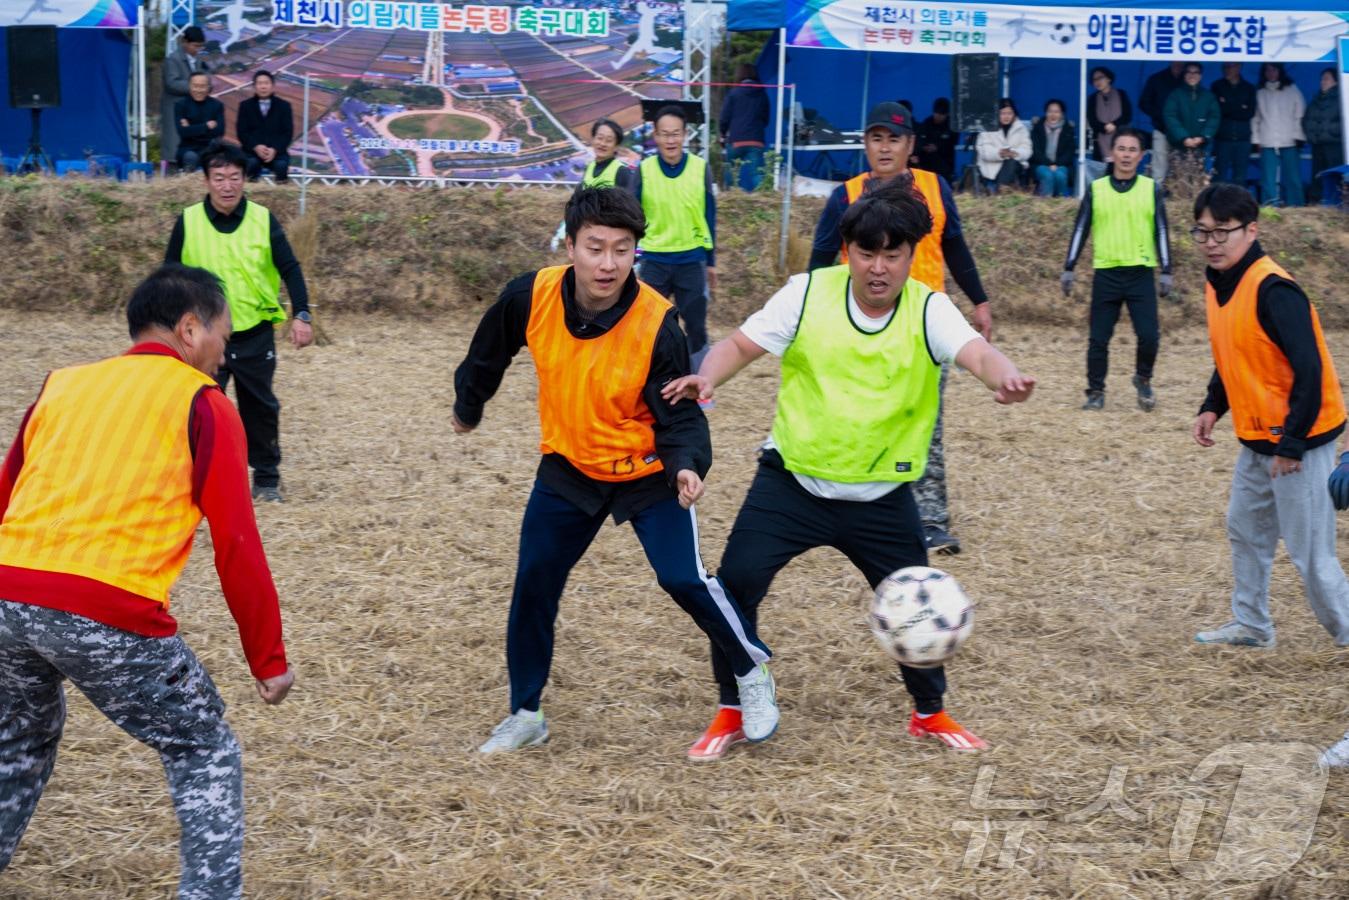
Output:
(782, 81)
(1082, 127)
(141, 139)
(787, 189)
(304, 146)
(866, 87)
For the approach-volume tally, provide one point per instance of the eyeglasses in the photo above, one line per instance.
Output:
(1194, 71)
(1219, 235)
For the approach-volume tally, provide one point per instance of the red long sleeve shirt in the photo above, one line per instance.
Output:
(220, 489)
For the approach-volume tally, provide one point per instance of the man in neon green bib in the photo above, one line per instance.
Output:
(243, 245)
(862, 347)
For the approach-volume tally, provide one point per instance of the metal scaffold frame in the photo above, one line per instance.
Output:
(701, 21)
(182, 13)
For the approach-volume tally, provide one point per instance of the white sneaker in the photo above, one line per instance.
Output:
(1337, 757)
(517, 731)
(1236, 634)
(758, 704)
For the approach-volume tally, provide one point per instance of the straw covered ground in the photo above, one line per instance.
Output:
(1095, 548)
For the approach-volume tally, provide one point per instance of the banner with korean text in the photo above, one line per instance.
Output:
(1065, 32)
(500, 90)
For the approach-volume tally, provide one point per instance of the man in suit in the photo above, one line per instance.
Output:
(179, 68)
(265, 128)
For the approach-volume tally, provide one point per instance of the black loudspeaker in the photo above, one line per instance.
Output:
(975, 86)
(34, 67)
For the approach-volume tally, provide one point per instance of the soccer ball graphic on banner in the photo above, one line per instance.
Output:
(921, 616)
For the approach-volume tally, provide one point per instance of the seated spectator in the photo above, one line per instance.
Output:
(1053, 142)
(1277, 128)
(200, 118)
(744, 119)
(265, 129)
(1324, 126)
(1003, 152)
(1108, 110)
(1192, 116)
(936, 142)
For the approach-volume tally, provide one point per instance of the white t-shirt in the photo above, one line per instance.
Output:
(774, 328)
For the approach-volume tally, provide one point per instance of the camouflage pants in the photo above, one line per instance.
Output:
(930, 490)
(155, 690)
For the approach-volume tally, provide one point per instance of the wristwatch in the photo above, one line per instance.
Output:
(303, 316)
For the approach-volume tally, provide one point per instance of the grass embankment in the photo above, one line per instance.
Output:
(82, 245)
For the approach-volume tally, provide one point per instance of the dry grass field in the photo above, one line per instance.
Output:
(1095, 548)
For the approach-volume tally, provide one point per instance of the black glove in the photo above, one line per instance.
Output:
(1066, 282)
(1339, 483)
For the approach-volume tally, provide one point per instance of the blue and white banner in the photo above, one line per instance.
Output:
(69, 13)
(1065, 32)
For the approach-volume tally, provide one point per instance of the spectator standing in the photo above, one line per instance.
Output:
(200, 119)
(936, 142)
(1004, 152)
(1156, 91)
(1232, 144)
(1277, 128)
(265, 128)
(1053, 143)
(1192, 116)
(744, 119)
(1108, 110)
(1323, 127)
(179, 67)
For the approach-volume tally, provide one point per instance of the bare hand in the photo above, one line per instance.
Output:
(1282, 465)
(1109, 127)
(1015, 389)
(1203, 429)
(689, 387)
(459, 427)
(182, 122)
(211, 124)
(273, 690)
(983, 321)
(711, 278)
(301, 334)
(690, 487)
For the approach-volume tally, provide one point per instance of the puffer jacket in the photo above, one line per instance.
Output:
(1322, 123)
(1192, 112)
(1278, 117)
(1017, 139)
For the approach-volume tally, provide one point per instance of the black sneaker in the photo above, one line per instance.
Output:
(1095, 400)
(1147, 400)
(939, 541)
(268, 493)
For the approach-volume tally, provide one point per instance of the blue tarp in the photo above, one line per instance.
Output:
(95, 72)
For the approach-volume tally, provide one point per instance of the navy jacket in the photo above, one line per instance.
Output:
(744, 114)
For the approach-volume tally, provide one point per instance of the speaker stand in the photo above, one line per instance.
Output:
(36, 159)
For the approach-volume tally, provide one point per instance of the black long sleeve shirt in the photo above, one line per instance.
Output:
(197, 134)
(680, 432)
(1285, 314)
(283, 257)
(1082, 228)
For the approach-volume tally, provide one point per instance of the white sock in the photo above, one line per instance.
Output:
(924, 715)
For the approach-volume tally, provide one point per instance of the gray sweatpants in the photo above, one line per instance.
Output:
(1297, 508)
(930, 490)
(155, 690)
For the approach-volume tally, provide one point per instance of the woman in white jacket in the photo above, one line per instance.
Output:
(1276, 129)
(1005, 151)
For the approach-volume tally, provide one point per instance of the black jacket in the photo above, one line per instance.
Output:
(1156, 89)
(744, 114)
(1237, 103)
(275, 130)
(1321, 122)
(196, 134)
(1126, 115)
(943, 159)
(1066, 152)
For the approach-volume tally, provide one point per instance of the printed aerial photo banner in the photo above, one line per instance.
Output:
(505, 90)
(1071, 32)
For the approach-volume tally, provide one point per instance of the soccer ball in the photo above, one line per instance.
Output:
(921, 616)
(1064, 33)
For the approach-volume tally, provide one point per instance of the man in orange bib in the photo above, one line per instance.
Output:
(1275, 375)
(100, 496)
(603, 345)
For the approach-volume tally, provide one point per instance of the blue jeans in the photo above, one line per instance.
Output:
(1275, 163)
(1052, 183)
(745, 164)
(1232, 161)
(686, 285)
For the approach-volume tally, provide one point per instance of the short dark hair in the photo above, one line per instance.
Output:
(611, 125)
(941, 105)
(221, 154)
(206, 75)
(171, 292)
(1063, 107)
(1226, 203)
(1102, 70)
(746, 72)
(886, 217)
(1330, 70)
(193, 34)
(1284, 78)
(1194, 65)
(1007, 103)
(1128, 132)
(671, 109)
(263, 73)
(611, 207)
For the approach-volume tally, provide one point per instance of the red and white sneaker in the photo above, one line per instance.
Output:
(724, 731)
(947, 730)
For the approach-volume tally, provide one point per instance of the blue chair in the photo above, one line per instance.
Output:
(10, 164)
(65, 166)
(129, 168)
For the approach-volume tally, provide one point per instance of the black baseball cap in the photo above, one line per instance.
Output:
(894, 117)
(194, 35)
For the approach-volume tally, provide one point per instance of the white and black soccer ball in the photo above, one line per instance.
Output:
(921, 616)
(1063, 33)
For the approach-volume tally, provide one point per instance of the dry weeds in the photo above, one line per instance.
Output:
(1095, 547)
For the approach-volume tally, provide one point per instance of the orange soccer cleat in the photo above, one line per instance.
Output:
(947, 730)
(724, 731)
